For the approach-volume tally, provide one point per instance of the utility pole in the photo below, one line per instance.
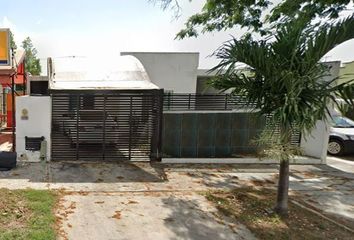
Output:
(13, 102)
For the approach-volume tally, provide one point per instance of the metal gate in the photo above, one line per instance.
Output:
(106, 125)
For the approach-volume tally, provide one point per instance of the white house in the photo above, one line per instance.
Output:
(119, 106)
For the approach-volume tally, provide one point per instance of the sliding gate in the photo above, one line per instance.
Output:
(106, 125)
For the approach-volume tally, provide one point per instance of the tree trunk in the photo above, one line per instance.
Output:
(281, 207)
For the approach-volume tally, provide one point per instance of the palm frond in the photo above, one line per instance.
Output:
(328, 36)
(284, 77)
(255, 54)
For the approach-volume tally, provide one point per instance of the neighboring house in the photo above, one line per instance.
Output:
(203, 76)
(6, 71)
(346, 72)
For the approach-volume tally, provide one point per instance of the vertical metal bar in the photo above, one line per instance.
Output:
(77, 125)
(158, 125)
(169, 100)
(104, 127)
(130, 126)
(226, 99)
(189, 101)
(3, 101)
(13, 112)
(51, 126)
(152, 112)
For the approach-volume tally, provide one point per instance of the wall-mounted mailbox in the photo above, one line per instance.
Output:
(33, 143)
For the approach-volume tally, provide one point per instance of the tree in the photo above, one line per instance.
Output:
(12, 42)
(257, 15)
(283, 48)
(285, 82)
(32, 63)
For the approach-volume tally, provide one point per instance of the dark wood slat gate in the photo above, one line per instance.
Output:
(106, 125)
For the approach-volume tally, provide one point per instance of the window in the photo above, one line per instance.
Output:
(39, 88)
(342, 122)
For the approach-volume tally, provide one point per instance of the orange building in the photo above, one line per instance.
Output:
(17, 71)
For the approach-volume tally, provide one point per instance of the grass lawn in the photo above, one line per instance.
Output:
(27, 214)
(253, 208)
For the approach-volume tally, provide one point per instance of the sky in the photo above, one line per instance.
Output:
(61, 28)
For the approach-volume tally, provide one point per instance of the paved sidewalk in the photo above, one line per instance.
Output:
(161, 201)
(345, 164)
(329, 187)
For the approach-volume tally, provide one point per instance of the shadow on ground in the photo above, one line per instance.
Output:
(67, 172)
(325, 187)
(320, 186)
(189, 220)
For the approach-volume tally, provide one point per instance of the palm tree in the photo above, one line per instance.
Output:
(285, 80)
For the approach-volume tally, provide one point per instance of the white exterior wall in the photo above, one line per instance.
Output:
(38, 124)
(316, 143)
(170, 71)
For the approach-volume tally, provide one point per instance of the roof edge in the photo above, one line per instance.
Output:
(133, 52)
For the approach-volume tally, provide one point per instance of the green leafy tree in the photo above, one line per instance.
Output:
(259, 16)
(12, 41)
(282, 48)
(33, 65)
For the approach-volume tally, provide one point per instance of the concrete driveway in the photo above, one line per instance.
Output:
(161, 201)
(144, 215)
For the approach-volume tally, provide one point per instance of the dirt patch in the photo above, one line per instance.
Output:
(262, 183)
(72, 205)
(152, 194)
(117, 215)
(99, 202)
(309, 175)
(14, 210)
(253, 207)
(21, 211)
(82, 193)
(62, 213)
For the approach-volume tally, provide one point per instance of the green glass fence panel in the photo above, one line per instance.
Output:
(209, 135)
(172, 135)
(189, 135)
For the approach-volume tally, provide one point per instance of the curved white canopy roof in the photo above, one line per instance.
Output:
(81, 73)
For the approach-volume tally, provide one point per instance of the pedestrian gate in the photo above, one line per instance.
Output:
(106, 125)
